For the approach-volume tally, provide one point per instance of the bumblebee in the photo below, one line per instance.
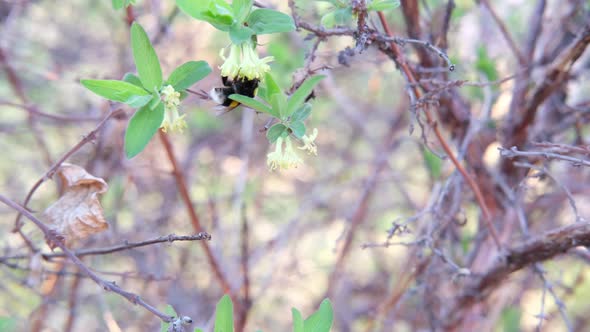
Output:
(241, 85)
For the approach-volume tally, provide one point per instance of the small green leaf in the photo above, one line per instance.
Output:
(188, 74)
(381, 5)
(219, 14)
(133, 79)
(193, 8)
(198, 330)
(120, 91)
(146, 60)
(298, 97)
(264, 21)
(224, 317)
(239, 33)
(298, 325)
(302, 113)
(298, 128)
(510, 319)
(272, 88)
(155, 102)
(321, 320)
(170, 312)
(278, 102)
(241, 9)
(252, 103)
(7, 324)
(433, 163)
(141, 128)
(276, 131)
(118, 4)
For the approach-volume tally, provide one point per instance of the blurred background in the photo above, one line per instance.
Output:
(377, 222)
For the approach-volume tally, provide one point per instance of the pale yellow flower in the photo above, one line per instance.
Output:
(173, 121)
(309, 144)
(280, 159)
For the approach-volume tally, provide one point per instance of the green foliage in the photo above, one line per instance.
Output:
(276, 131)
(188, 74)
(143, 91)
(141, 128)
(224, 315)
(341, 13)
(120, 91)
(146, 60)
(7, 324)
(298, 323)
(485, 64)
(291, 112)
(510, 319)
(238, 18)
(433, 163)
(382, 5)
(119, 4)
(170, 312)
(266, 21)
(321, 320)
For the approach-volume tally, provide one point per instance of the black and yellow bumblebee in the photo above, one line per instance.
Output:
(241, 85)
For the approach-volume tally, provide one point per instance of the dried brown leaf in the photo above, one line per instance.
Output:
(78, 213)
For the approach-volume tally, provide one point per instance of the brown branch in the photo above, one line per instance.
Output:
(106, 285)
(194, 218)
(121, 247)
(398, 57)
(541, 248)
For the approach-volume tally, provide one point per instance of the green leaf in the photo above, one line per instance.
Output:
(341, 16)
(272, 87)
(198, 330)
(141, 128)
(155, 102)
(7, 324)
(510, 319)
(146, 60)
(224, 317)
(193, 8)
(302, 113)
(118, 4)
(321, 320)
(433, 163)
(188, 74)
(298, 325)
(239, 33)
(219, 14)
(120, 91)
(241, 9)
(170, 312)
(278, 102)
(485, 64)
(264, 21)
(133, 79)
(298, 128)
(276, 131)
(252, 103)
(380, 5)
(298, 97)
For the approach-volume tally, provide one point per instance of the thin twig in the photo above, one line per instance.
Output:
(106, 285)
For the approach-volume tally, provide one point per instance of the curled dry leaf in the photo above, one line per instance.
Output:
(78, 213)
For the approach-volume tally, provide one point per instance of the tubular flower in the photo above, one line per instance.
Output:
(243, 62)
(283, 159)
(252, 66)
(309, 144)
(231, 64)
(172, 120)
